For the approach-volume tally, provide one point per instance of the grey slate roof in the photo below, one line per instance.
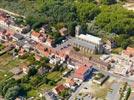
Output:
(20, 43)
(18, 36)
(84, 44)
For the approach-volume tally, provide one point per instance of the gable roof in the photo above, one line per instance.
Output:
(129, 51)
(81, 70)
(70, 81)
(18, 36)
(60, 88)
(36, 34)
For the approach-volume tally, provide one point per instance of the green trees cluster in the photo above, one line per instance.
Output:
(119, 21)
(116, 19)
(10, 89)
(108, 2)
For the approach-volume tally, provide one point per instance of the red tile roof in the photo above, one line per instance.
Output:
(129, 51)
(81, 71)
(60, 88)
(40, 47)
(10, 32)
(21, 52)
(36, 34)
(2, 18)
(37, 57)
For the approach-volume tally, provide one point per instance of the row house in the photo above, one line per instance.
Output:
(42, 38)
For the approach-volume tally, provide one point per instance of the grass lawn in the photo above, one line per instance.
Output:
(1, 46)
(4, 75)
(54, 75)
(45, 87)
(32, 93)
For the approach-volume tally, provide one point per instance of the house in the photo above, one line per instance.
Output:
(83, 73)
(27, 47)
(109, 45)
(19, 44)
(129, 52)
(54, 60)
(43, 50)
(16, 70)
(26, 29)
(17, 37)
(21, 52)
(43, 70)
(70, 83)
(24, 68)
(2, 31)
(42, 30)
(37, 57)
(59, 89)
(22, 43)
(35, 35)
(50, 41)
(63, 31)
(71, 65)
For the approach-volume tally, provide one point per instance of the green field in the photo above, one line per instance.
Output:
(5, 75)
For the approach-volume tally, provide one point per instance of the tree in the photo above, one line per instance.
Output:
(65, 93)
(108, 2)
(4, 85)
(51, 82)
(57, 67)
(8, 85)
(25, 79)
(45, 80)
(32, 71)
(87, 11)
(71, 27)
(115, 19)
(124, 44)
(31, 20)
(12, 93)
(35, 80)
(128, 93)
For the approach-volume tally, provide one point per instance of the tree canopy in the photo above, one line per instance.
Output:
(116, 19)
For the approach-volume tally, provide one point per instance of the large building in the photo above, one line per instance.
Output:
(83, 73)
(87, 42)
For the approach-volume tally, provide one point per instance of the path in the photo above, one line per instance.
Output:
(11, 13)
